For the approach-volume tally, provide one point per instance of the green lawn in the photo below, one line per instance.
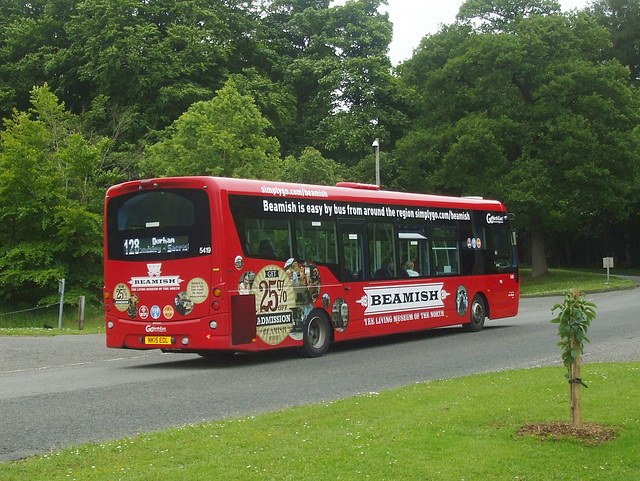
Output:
(31, 323)
(458, 429)
(560, 281)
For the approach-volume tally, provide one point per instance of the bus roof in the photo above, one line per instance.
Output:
(344, 191)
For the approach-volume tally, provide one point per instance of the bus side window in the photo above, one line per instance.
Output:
(268, 238)
(413, 245)
(445, 251)
(317, 241)
(502, 248)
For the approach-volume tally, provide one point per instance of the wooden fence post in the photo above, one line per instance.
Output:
(81, 313)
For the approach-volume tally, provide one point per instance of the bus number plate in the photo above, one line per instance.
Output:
(161, 340)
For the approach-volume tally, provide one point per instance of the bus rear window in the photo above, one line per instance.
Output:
(159, 225)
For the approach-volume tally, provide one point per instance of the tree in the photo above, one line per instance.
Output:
(158, 56)
(622, 19)
(529, 113)
(574, 318)
(224, 136)
(334, 61)
(311, 168)
(31, 34)
(500, 15)
(51, 194)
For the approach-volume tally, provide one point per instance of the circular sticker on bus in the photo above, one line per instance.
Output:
(197, 290)
(183, 304)
(121, 297)
(275, 300)
(462, 300)
(340, 315)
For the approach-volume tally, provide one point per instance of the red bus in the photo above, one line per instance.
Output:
(208, 265)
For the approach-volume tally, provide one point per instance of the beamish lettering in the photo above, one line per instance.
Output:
(390, 299)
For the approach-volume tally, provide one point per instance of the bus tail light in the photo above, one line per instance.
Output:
(217, 293)
(106, 296)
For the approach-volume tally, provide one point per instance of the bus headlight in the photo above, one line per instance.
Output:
(213, 325)
(110, 324)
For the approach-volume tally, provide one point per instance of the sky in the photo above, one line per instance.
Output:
(413, 19)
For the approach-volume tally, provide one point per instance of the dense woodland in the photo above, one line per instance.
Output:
(516, 100)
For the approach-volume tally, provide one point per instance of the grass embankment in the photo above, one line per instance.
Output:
(455, 429)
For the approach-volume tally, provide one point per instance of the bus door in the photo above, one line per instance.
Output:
(505, 263)
(353, 272)
(352, 238)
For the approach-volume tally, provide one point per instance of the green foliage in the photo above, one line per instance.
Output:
(334, 60)
(574, 318)
(515, 101)
(51, 192)
(158, 57)
(622, 19)
(224, 137)
(528, 114)
(495, 15)
(311, 168)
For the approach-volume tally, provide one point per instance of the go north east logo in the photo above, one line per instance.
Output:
(155, 281)
(379, 300)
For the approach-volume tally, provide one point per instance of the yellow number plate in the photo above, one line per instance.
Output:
(162, 340)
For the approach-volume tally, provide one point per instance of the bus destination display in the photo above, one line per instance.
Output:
(155, 245)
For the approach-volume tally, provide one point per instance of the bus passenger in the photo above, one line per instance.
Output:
(408, 267)
(386, 272)
(266, 249)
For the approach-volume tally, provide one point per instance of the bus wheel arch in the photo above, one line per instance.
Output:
(317, 334)
(478, 312)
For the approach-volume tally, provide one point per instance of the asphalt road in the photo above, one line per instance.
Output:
(62, 391)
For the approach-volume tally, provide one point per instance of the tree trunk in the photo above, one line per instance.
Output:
(575, 384)
(538, 258)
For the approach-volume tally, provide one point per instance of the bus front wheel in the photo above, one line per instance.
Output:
(478, 314)
(316, 335)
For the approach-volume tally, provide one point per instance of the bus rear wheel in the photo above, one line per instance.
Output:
(316, 335)
(478, 314)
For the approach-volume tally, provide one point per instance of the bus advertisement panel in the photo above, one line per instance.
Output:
(205, 264)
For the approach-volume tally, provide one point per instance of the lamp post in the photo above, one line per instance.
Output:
(376, 144)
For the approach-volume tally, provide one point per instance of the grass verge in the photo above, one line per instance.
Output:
(32, 323)
(454, 429)
(560, 281)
